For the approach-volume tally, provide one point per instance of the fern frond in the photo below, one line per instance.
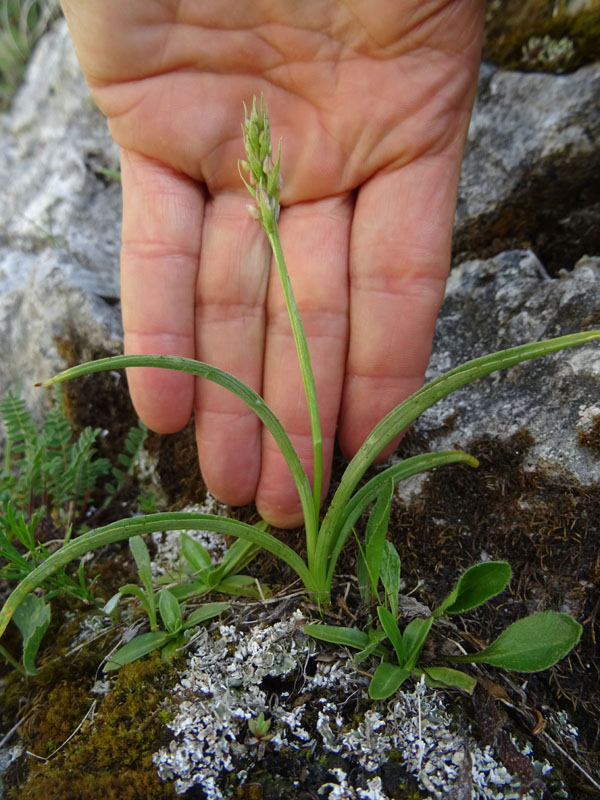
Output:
(133, 446)
(56, 431)
(24, 448)
(21, 432)
(70, 482)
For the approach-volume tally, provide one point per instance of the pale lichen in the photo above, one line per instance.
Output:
(342, 790)
(168, 543)
(547, 52)
(229, 680)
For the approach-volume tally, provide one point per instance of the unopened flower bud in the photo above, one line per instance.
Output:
(253, 211)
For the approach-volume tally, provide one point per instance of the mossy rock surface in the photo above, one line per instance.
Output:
(542, 35)
(110, 757)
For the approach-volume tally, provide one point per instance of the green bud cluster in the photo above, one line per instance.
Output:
(263, 179)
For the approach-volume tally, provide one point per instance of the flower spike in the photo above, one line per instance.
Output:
(262, 177)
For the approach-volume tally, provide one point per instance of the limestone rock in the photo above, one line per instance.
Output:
(499, 303)
(59, 221)
(532, 162)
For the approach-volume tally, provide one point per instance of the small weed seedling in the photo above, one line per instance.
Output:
(169, 640)
(531, 644)
(259, 727)
(207, 577)
(198, 575)
(168, 605)
(324, 539)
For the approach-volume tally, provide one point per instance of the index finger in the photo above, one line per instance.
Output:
(162, 228)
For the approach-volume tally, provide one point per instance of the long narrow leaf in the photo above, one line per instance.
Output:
(195, 588)
(137, 648)
(350, 637)
(390, 576)
(239, 554)
(332, 536)
(138, 526)
(377, 528)
(335, 634)
(204, 613)
(243, 586)
(415, 635)
(405, 413)
(390, 626)
(253, 400)
(141, 555)
(375, 647)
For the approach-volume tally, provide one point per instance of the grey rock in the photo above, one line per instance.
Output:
(531, 172)
(499, 303)
(59, 221)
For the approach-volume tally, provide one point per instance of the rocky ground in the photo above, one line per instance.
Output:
(526, 266)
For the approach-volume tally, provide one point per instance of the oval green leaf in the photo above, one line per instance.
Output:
(531, 644)
(446, 676)
(32, 618)
(476, 586)
(194, 553)
(205, 612)
(387, 680)
(170, 611)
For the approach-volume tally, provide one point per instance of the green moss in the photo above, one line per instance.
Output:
(110, 757)
(537, 36)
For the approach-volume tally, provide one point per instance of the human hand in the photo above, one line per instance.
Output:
(372, 100)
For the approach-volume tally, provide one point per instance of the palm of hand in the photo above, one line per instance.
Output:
(378, 103)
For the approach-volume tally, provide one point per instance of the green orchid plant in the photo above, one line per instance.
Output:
(324, 538)
(197, 575)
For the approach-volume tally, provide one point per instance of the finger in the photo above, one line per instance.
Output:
(315, 242)
(230, 326)
(162, 221)
(399, 261)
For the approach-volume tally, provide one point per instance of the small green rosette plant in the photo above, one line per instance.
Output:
(531, 644)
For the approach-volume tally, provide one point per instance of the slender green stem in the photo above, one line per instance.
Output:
(12, 661)
(237, 387)
(262, 177)
(310, 388)
(138, 526)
